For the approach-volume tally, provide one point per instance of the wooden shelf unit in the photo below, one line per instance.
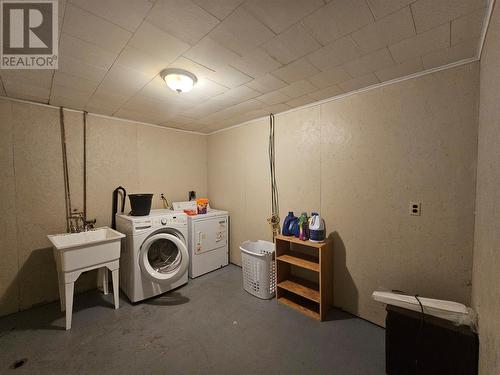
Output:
(312, 298)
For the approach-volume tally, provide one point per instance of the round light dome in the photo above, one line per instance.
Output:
(178, 80)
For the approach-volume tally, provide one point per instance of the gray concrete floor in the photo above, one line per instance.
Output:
(209, 326)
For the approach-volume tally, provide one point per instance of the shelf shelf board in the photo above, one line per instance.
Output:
(301, 287)
(301, 308)
(300, 242)
(302, 261)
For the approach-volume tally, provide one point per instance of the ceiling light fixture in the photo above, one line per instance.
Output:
(178, 79)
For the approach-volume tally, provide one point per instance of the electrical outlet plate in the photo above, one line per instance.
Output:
(415, 208)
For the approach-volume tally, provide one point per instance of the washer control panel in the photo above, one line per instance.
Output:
(169, 220)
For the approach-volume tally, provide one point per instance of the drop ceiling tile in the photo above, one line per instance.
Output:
(298, 88)
(236, 95)
(219, 8)
(359, 82)
(184, 120)
(124, 81)
(147, 104)
(85, 26)
(385, 31)
(210, 54)
(206, 88)
(80, 69)
(334, 54)
(146, 117)
(421, 44)
(400, 70)
(105, 102)
(292, 44)
(369, 63)
(229, 76)
(266, 83)
(125, 13)
(273, 97)
(156, 42)
(38, 77)
(68, 97)
(330, 77)
(300, 101)
(241, 32)
(338, 18)
(173, 125)
(19, 90)
(256, 63)
(183, 19)
(204, 109)
(141, 61)
(278, 15)
(74, 83)
(86, 52)
(431, 13)
(382, 8)
(296, 71)
(464, 50)
(467, 27)
(220, 102)
(191, 126)
(328, 92)
(234, 110)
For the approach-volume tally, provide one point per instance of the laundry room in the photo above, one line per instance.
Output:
(250, 187)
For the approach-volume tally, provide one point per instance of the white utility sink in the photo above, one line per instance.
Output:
(80, 252)
(84, 249)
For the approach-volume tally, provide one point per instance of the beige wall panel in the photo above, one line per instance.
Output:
(73, 122)
(257, 182)
(171, 162)
(39, 199)
(111, 162)
(9, 282)
(298, 158)
(226, 183)
(486, 272)
(375, 160)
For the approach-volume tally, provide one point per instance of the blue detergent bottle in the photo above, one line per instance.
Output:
(288, 224)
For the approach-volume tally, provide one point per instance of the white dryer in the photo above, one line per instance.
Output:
(154, 257)
(208, 242)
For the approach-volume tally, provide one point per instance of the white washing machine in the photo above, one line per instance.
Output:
(208, 242)
(154, 256)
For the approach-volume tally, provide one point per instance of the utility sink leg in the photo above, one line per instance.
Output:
(116, 289)
(61, 293)
(68, 298)
(103, 274)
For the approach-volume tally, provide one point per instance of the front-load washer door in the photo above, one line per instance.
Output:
(164, 258)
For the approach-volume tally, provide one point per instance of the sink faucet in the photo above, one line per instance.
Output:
(78, 223)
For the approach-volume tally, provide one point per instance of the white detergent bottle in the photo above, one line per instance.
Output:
(317, 230)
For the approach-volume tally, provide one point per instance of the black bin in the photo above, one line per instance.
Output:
(436, 347)
(140, 204)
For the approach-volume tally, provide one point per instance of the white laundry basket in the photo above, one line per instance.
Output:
(259, 269)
